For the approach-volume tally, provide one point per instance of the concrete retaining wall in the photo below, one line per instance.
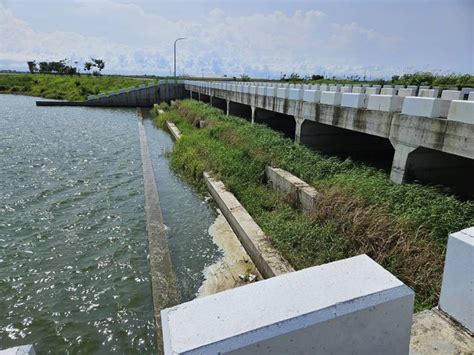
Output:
(300, 193)
(265, 257)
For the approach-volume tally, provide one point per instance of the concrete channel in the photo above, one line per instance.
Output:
(163, 279)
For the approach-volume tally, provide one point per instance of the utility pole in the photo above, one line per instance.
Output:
(178, 39)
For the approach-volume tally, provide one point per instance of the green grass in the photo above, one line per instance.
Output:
(403, 227)
(63, 87)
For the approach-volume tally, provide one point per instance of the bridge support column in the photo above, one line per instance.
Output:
(253, 114)
(227, 107)
(210, 100)
(190, 94)
(199, 96)
(299, 122)
(399, 165)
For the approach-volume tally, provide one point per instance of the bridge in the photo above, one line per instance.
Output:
(416, 133)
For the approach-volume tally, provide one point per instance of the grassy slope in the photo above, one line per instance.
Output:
(403, 227)
(64, 87)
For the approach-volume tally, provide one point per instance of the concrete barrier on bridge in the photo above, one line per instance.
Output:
(331, 98)
(324, 87)
(334, 88)
(358, 90)
(351, 306)
(425, 92)
(282, 93)
(295, 94)
(313, 96)
(388, 91)
(457, 291)
(461, 111)
(372, 90)
(354, 100)
(262, 90)
(452, 95)
(386, 103)
(425, 107)
(470, 96)
(406, 92)
(346, 89)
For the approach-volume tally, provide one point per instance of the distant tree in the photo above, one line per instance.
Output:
(317, 77)
(94, 63)
(395, 78)
(244, 77)
(32, 67)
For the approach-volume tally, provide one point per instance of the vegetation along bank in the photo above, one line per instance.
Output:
(403, 227)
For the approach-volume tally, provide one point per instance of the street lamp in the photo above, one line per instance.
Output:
(178, 39)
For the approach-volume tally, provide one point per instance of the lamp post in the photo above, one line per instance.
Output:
(178, 39)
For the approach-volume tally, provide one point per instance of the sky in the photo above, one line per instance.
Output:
(260, 38)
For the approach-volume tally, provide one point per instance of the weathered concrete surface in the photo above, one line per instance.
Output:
(300, 193)
(134, 97)
(457, 290)
(226, 273)
(351, 306)
(173, 130)
(163, 279)
(433, 333)
(19, 350)
(265, 257)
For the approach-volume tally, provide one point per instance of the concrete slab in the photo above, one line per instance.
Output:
(428, 92)
(372, 91)
(354, 100)
(358, 90)
(271, 91)
(452, 95)
(253, 89)
(457, 289)
(262, 90)
(295, 94)
(433, 334)
(388, 91)
(324, 87)
(334, 88)
(387, 103)
(351, 306)
(346, 89)
(19, 350)
(282, 93)
(331, 98)
(407, 92)
(312, 96)
(425, 107)
(461, 111)
(470, 97)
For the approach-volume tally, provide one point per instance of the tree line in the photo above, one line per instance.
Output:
(62, 68)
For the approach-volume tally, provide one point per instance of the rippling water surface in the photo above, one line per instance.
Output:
(74, 274)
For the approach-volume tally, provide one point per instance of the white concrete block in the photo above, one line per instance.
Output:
(354, 100)
(424, 87)
(452, 95)
(261, 90)
(462, 111)
(253, 90)
(457, 290)
(334, 88)
(315, 87)
(412, 87)
(351, 306)
(387, 103)
(346, 89)
(387, 86)
(239, 88)
(348, 86)
(306, 87)
(312, 95)
(245, 89)
(19, 350)
(331, 98)
(388, 91)
(471, 96)
(407, 92)
(372, 91)
(425, 107)
(358, 90)
(282, 93)
(428, 92)
(324, 87)
(295, 94)
(292, 86)
(271, 91)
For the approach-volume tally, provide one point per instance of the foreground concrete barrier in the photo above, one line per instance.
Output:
(425, 107)
(352, 306)
(457, 290)
(331, 98)
(461, 111)
(312, 96)
(300, 193)
(19, 350)
(265, 257)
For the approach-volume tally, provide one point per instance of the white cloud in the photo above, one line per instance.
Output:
(132, 40)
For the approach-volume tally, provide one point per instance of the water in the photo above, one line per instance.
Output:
(74, 273)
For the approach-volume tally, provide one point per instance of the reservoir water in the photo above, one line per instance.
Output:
(74, 273)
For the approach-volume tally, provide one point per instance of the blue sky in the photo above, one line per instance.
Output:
(258, 37)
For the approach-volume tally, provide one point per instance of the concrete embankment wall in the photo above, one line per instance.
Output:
(141, 96)
(163, 279)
